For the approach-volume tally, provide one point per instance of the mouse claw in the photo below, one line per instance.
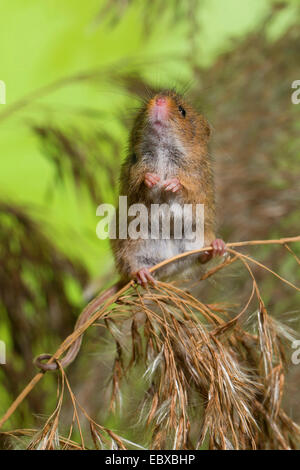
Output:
(143, 276)
(218, 247)
(151, 179)
(173, 185)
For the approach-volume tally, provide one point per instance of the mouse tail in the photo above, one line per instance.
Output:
(75, 347)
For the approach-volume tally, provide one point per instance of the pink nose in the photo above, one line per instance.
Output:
(161, 101)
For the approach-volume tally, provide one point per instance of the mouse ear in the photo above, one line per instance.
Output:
(206, 129)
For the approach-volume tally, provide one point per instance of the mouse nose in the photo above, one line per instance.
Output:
(160, 101)
(158, 108)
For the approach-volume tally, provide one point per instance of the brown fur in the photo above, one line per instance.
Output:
(193, 168)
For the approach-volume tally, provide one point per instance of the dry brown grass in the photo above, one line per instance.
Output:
(191, 352)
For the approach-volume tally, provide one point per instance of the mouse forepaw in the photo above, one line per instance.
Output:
(173, 185)
(151, 179)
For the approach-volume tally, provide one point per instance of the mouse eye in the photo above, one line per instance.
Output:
(182, 111)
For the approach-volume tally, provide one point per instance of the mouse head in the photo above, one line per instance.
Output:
(167, 117)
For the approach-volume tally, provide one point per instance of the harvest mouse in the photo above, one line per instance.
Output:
(167, 163)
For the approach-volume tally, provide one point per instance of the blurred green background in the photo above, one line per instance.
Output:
(75, 73)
